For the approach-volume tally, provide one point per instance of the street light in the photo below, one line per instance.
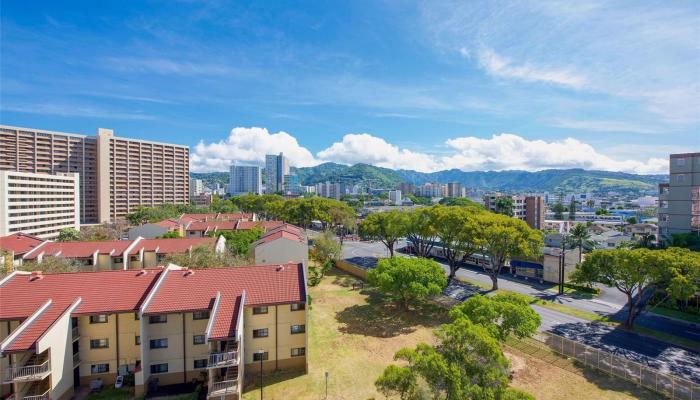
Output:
(562, 262)
(261, 354)
(326, 398)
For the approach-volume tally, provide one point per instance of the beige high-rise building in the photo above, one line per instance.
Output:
(116, 174)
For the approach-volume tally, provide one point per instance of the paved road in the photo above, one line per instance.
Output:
(648, 351)
(611, 301)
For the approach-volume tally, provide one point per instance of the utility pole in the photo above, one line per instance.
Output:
(326, 398)
(562, 263)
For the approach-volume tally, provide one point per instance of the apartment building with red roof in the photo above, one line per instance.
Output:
(285, 243)
(14, 247)
(173, 325)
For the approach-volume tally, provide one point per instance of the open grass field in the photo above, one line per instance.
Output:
(354, 335)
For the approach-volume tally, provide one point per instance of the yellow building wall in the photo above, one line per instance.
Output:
(150, 259)
(129, 352)
(58, 341)
(279, 341)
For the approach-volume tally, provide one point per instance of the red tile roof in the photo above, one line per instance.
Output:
(196, 290)
(102, 292)
(175, 245)
(212, 226)
(36, 328)
(234, 216)
(19, 243)
(81, 249)
(266, 225)
(281, 234)
(168, 223)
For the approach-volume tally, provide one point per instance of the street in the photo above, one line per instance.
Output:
(611, 302)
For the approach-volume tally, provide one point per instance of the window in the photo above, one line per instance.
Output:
(298, 329)
(118, 260)
(99, 343)
(258, 333)
(258, 356)
(137, 340)
(260, 310)
(297, 306)
(200, 363)
(137, 316)
(299, 351)
(159, 368)
(680, 178)
(198, 339)
(98, 319)
(158, 319)
(680, 162)
(159, 343)
(99, 368)
(200, 315)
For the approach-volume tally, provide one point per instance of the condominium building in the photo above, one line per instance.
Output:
(292, 185)
(530, 209)
(406, 188)
(395, 197)
(196, 187)
(431, 190)
(163, 326)
(116, 174)
(454, 189)
(244, 179)
(679, 199)
(330, 190)
(38, 204)
(276, 167)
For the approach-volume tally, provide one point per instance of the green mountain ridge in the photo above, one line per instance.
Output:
(552, 180)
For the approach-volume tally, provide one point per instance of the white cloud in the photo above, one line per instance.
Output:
(249, 145)
(368, 149)
(505, 151)
(500, 66)
(602, 125)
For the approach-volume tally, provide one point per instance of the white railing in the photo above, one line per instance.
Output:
(43, 396)
(217, 360)
(223, 388)
(27, 371)
(76, 359)
(75, 332)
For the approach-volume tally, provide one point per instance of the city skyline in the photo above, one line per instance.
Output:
(419, 86)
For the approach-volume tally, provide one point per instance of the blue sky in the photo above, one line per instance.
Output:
(424, 85)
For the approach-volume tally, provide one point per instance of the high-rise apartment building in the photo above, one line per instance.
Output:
(116, 174)
(40, 205)
(196, 187)
(292, 185)
(276, 167)
(245, 179)
(454, 189)
(530, 209)
(406, 188)
(395, 197)
(330, 190)
(679, 199)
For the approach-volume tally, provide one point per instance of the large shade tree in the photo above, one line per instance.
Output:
(460, 232)
(408, 280)
(421, 230)
(502, 315)
(504, 238)
(640, 273)
(387, 227)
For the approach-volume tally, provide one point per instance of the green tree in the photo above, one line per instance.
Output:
(466, 363)
(502, 315)
(98, 233)
(558, 210)
(572, 209)
(580, 236)
(238, 242)
(504, 205)
(646, 240)
(601, 211)
(421, 230)
(460, 232)
(326, 247)
(399, 381)
(640, 273)
(68, 235)
(386, 227)
(343, 219)
(52, 265)
(170, 235)
(461, 201)
(685, 240)
(632, 220)
(505, 238)
(408, 280)
(202, 257)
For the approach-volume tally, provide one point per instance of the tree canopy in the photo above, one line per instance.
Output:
(68, 235)
(52, 265)
(640, 273)
(386, 227)
(408, 280)
(238, 242)
(202, 257)
(502, 315)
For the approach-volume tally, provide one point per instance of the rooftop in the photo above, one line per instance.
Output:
(174, 245)
(19, 243)
(81, 249)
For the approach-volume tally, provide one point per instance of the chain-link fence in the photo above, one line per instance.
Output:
(666, 384)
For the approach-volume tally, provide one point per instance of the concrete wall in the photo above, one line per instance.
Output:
(351, 269)
(279, 341)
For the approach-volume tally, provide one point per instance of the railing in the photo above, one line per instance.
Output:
(76, 359)
(223, 388)
(75, 332)
(27, 372)
(673, 387)
(43, 396)
(217, 360)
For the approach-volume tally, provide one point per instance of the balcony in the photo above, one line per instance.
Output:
(221, 360)
(76, 359)
(223, 388)
(31, 372)
(41, 396)
(75, 333)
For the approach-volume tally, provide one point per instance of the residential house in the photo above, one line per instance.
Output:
(14, 247)
(286, 243)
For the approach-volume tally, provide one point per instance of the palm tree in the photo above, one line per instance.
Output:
(579, 235)
(646, 240)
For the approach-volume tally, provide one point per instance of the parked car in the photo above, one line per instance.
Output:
(119, 382)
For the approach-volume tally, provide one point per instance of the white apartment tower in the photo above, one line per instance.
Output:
(245, 179)
(40, 205)
(276, 167)
(196, 187)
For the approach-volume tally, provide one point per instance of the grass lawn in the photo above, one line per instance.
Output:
(112, 393)
(677, 314)
(353, 335)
